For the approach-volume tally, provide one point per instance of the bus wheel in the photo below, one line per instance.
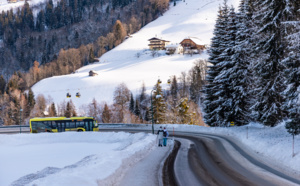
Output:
(79, 130)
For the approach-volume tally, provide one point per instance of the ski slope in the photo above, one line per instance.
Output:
(192, 18)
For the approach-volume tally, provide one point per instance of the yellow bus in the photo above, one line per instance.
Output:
(61, 124)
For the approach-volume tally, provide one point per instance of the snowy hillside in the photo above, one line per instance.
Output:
(190, 18)
(4, 5)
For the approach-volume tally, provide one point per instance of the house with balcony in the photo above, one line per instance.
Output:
(157, 44)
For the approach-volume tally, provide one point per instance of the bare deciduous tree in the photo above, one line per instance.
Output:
(39, 107)
(121, 98)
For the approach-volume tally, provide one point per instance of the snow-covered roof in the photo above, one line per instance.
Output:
(196, 40)
(155, 38)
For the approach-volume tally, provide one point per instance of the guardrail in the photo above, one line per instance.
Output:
(25, 128)
(14, 129)
(120, 125)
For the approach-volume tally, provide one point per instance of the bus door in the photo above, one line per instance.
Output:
(60, 126)
(88, 125)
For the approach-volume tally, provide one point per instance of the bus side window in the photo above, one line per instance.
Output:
(79, 124)
(67, 124)
(53, 125)
(72, 124)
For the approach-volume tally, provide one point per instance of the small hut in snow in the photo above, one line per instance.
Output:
(92, 73)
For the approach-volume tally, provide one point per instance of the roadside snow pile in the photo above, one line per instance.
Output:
(69, 158)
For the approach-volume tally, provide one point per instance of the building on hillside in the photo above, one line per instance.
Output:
(192, 45)
(174, 49)
(12, 1)
(92, 73)
(157, 44)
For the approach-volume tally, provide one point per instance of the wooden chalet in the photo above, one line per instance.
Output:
(192, 43)
(12, 1)
(157, 44)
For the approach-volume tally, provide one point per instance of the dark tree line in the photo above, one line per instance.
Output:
(255, 65)
(67, 24)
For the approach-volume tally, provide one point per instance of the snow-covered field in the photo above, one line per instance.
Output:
(73, 158)
(190, 18)
(68, 158)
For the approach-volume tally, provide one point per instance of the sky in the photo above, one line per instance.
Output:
(89, 158)
(192, 18)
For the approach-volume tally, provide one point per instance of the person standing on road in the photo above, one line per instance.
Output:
(160, 135)
(166, 135)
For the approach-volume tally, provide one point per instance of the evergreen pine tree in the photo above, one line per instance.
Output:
(158, 104)
(131, 104)
(268, 67)
(49, 14)
(239, 75)
(212, 106)
(223, 80)
(292, 72)
(31, 100)
(27, 16)
(40, 21)
(174, 88)
(137, 110)
(2, 84)
(58, 12)
(68, 111)
(143, 93)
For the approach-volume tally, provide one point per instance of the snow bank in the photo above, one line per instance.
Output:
(68, 158)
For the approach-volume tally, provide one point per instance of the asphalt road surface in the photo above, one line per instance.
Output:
(213, 160)
(206, 159)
